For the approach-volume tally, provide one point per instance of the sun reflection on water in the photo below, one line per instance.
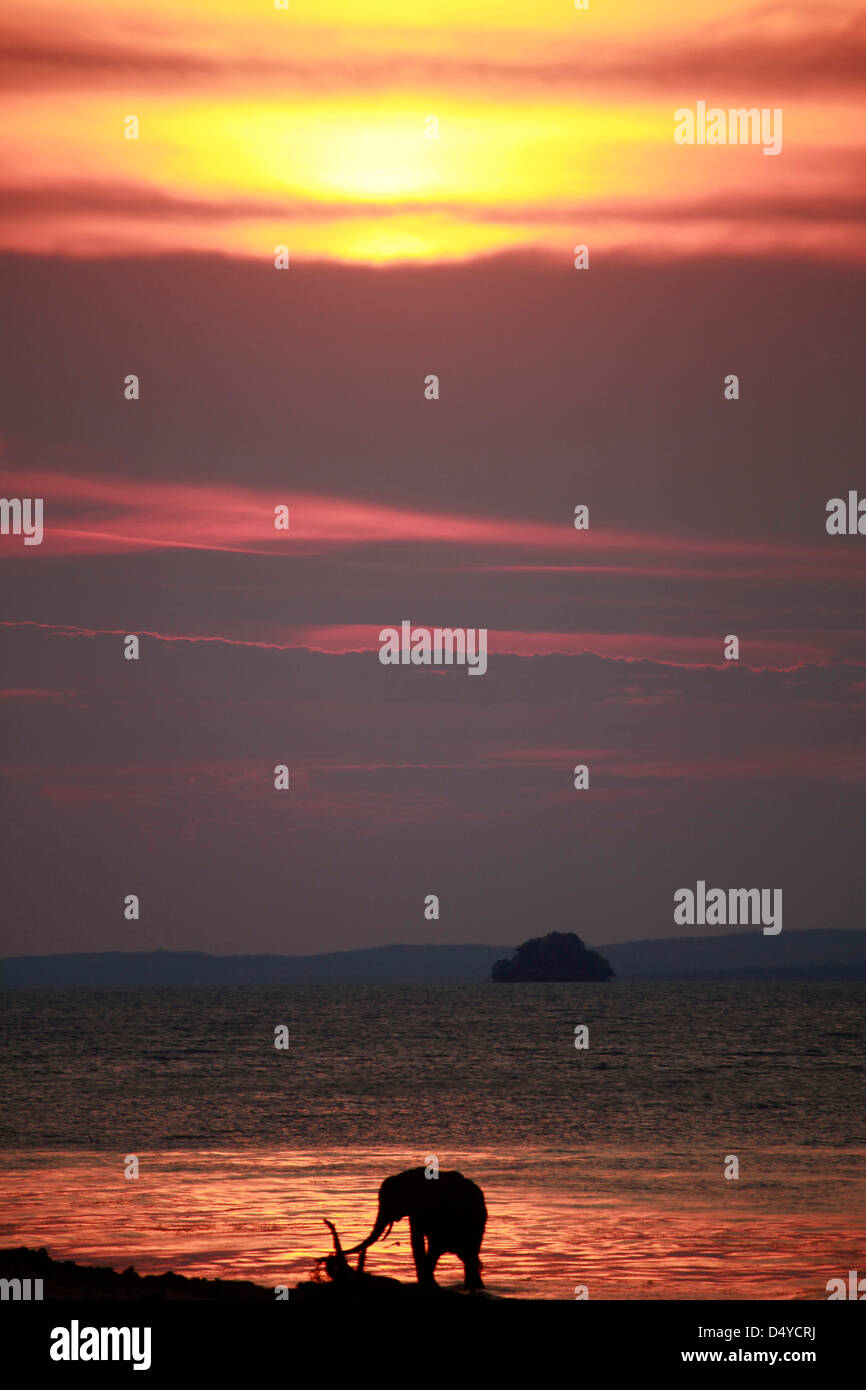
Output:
(258, 1214)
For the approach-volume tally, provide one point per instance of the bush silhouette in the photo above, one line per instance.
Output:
(546, 959)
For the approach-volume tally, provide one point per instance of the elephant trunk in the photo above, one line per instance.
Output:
(382, 1226)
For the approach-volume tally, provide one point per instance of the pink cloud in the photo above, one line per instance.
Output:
(819, 764)
(36, 694)
(99, 515)
(683, 651)
(623, 646)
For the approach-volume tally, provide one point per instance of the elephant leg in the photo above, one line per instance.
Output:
(419, 1254)
(472, 1269)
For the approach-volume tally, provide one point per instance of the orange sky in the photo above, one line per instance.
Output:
(308, 127)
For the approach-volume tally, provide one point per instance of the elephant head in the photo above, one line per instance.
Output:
(395, 1202)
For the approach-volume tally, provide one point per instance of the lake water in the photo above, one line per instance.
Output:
(602, 1167)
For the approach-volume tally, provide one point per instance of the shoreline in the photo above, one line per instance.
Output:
(65, 1281)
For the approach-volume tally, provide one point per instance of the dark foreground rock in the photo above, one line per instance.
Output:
(64, 1281)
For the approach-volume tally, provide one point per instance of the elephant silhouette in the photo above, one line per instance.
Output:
(446, 1215)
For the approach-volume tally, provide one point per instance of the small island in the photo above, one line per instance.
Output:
(559, 956)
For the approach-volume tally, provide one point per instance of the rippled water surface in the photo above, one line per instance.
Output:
(602, 1167)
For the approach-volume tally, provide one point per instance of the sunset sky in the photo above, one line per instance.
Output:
(412, 255)
(308, 125)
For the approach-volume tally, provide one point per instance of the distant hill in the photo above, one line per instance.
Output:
(829, 954)
(376, 965)
(796, 955)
